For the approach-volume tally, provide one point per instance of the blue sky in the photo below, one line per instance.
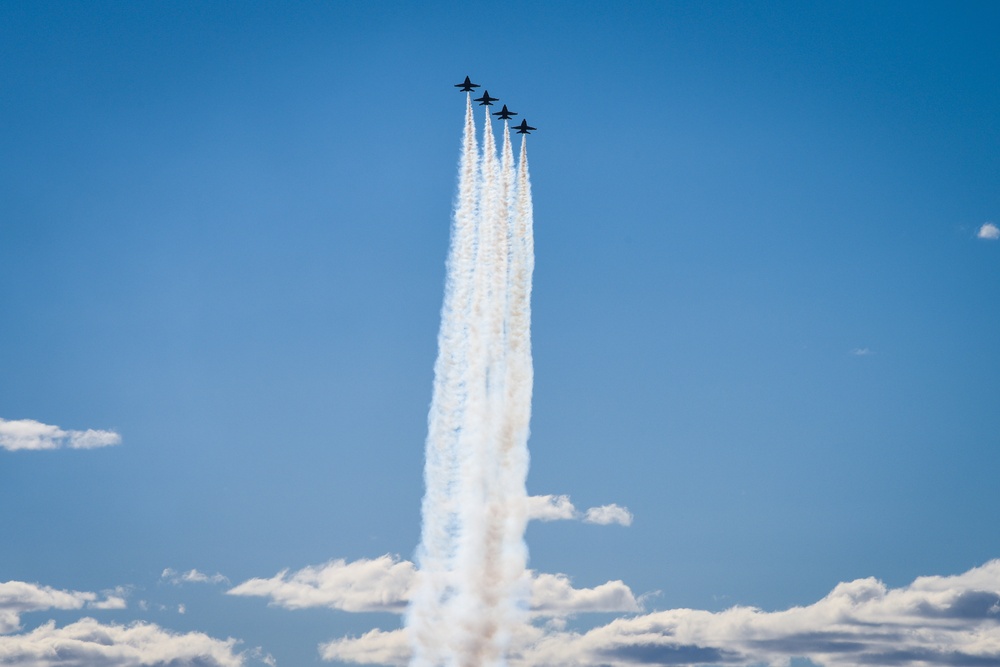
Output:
(765, 298)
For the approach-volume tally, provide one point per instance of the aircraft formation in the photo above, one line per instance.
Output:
(504, 114)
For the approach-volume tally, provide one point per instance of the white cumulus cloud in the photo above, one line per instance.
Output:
(377, 647)
(18, 434)
(17, 597)
(110, 602)
(550, 508)
(554, 595)
(608, 514)
(561, 508)
(378, 584)
(88, 642)
(989, 231)
(951, 620)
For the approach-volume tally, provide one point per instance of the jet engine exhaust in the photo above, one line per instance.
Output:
(473, 582)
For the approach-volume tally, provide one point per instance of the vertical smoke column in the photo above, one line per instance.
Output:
(520, 376)
(473, 583)
(435, 556)
(477, 600)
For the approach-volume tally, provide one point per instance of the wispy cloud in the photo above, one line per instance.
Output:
(18, 434)
(88, 642)
(258, 653)
(193, 577)
(385, 584)
(378, 584)
(953, 620)
(17, 597)
(114, 599)
(561, 508)
(376, 647)
(551, 508)
(989, 231)
(862, 352)
(608, 514)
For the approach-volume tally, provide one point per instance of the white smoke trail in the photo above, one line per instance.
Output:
(472, 557)
(435, 555)
(479, 540)
(520, 377)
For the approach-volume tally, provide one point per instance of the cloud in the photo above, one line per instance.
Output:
(862, 352)
(17, 597)
(608, 514)
(384, 584)
(560, 508)
(88, 642)
(377, 647)
(111, 602)
(989, 231)
(193, 577)
(29, 434)
(554, 595)
(379, 584)
(953, 620)
(266, 658)
(550, 508)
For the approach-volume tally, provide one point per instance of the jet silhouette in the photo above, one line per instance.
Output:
(486, 100)
(466, 85)
(524, 128)
(504, 114)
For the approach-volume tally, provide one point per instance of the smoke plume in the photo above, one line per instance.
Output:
(473, 584)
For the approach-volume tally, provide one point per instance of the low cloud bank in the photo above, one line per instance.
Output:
(561, 508)
(95, 644)
(384, 584)
(953, 620)
(88, 642)
(16, 434)
(18, 597)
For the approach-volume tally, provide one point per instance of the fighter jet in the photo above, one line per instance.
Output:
(486, 100)
(466, 86)
(524, 128)
(504, 114)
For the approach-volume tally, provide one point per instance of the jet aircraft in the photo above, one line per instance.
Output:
(524, 128)
(466, 86)
(504, 114)
(486, 100)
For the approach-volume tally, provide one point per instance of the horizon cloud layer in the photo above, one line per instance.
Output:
(935, 620)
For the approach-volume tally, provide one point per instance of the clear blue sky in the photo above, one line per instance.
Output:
(765, 321)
